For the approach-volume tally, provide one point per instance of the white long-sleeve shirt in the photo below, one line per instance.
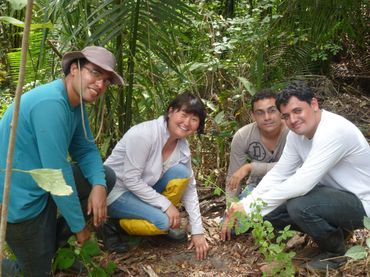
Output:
(137, 162)
(337, 156)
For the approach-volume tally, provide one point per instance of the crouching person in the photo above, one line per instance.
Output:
(152, 163)
(51, 128)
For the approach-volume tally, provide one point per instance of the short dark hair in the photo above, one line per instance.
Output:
(298, 89)
(82, 61)
(189, 103)
(263, 94)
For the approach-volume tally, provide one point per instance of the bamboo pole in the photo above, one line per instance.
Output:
(13, 127)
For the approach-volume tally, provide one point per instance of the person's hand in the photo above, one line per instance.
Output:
(83, 235)
(230, 220)
(200, 244)
(173, 216)
(226, 229)
(238, 175)
(97, 204)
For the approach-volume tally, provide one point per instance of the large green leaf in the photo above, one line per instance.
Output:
(64, 259)
(18, 23)
(51, 180)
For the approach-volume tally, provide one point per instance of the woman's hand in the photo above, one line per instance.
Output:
(200, 244)
(173, 216)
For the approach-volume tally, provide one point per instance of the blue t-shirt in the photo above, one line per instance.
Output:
(49, 129)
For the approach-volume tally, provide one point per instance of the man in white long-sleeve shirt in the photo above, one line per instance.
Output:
(321, 184)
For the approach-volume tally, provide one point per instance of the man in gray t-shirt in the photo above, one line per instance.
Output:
(256, 147)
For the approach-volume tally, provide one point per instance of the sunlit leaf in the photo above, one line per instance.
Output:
(51, 180)
(356, 252)
(248, 85)
(17, 4)
(219, 117)
(18, 23)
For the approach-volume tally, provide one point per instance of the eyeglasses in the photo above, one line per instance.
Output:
(98, 76)
(269, 111)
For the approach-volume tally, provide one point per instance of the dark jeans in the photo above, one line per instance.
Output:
(320, 213)
(34, 241)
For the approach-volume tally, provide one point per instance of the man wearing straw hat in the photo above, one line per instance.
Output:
(53, 124)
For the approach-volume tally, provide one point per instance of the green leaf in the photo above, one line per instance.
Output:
(65, 258)
(367, 222)
(200, 66)
(368, 242)
(248, 85)
(220, 117)
(98, 272)
(91, 248)
(275, 248)
(111, 267)
(51, 180)
(17, 4)
(85, 257)
(12, 20)
(217, 191)
(18, 23)
(356, 252)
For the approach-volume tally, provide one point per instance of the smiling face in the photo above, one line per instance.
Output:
(266, 115)
(301, 117)
(182, 124)
(90, 79)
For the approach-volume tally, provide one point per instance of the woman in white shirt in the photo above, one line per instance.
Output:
(153, 166)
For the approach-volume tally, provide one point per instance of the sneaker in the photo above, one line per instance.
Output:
(326, 261)
(177, 235)
(109, 233)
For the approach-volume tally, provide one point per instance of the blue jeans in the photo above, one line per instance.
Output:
(128, 205)
(320, 213)
(33, 242)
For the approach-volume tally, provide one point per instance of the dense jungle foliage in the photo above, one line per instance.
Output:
(222, 50)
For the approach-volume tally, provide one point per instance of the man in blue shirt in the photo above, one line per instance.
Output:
(53, 124)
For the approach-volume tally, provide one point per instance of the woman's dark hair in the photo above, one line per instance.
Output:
(263, 94)
(298, 89)
(82, 61)
(189, 103)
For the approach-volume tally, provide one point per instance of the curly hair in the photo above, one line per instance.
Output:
(297, 89)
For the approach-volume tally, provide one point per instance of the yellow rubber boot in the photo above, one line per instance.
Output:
(141, 227)
(175, 190)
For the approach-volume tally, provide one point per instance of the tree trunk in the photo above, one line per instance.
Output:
(13, 126)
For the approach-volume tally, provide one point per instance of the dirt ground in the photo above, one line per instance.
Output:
(158, 256)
